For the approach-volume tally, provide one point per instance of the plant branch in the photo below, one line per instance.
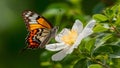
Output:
(105, 66)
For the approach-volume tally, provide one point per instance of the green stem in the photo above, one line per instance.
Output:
(115, 29)
(58, 17)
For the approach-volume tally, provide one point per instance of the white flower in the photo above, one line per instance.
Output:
(70, 39)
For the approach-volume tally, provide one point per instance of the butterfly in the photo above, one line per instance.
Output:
(40, 30)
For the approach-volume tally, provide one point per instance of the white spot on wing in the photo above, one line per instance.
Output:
(28, 14)
(32, 22)
(35, 15)
(32, 18)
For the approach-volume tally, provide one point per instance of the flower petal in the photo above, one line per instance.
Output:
(87, 32)
(60, 55)
(61, 34)
(78, 26)
(90, 24)
(55, 46)
(88, 29)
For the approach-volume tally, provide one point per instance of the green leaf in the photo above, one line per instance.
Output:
(56, 9)
(116, 63)
(53, 12)
(102, 57)
(95, 66)
(116, 51)
(117, 22)
(115, 48)
(90, 44)
(47, 63)
(103, 40)
(44, 56)
(112, 50)
(103, 50)
(99, 28)
(114, 56)
(109, 13)
(100, 17)
(81, 64)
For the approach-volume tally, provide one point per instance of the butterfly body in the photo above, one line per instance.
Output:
(40, 30)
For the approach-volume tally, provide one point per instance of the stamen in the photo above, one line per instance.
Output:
(70, 38)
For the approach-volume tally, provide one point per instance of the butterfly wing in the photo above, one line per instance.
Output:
(39, 29)
(51, 34)
(35, 21)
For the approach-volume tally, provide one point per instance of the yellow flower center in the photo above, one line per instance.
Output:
(70, 38)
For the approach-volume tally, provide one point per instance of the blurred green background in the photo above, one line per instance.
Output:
(61, 13)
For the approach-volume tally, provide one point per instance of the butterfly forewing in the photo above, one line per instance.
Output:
(35, 21)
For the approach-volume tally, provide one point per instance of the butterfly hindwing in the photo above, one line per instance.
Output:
(31, 40)
(37, 37)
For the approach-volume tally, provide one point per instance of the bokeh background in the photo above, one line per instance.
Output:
(60, 13)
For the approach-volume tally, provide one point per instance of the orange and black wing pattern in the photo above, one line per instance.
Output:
(38, 28)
